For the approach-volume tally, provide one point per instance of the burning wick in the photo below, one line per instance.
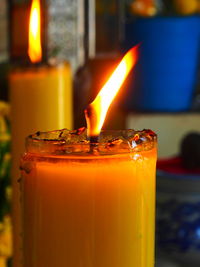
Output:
(96, 111)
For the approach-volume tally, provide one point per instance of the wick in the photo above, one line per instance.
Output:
(94, 139)
(94, 143)
(36, 64)
(92, 119)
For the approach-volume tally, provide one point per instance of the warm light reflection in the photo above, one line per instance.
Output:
(35, 50)
(97, 110)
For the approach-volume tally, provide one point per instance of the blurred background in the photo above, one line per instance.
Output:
(161, 93)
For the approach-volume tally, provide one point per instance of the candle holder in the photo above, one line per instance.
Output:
(84, 207)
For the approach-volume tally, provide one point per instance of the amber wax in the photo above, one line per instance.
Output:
(90, 205)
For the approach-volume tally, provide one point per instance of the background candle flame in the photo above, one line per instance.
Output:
(96, 112)
(35, 49)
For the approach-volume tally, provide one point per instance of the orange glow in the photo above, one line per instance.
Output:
(35, 50)
(97, 110)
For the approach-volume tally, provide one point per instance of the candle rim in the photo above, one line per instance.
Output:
(111, 142)
(28, 68)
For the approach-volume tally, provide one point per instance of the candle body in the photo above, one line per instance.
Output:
(41, 100)
(92, 211)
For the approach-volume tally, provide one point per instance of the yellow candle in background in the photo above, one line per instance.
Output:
(41, 100)
(93, 209)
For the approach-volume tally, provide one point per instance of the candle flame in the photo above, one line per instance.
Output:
(35, 49)
(97, 110)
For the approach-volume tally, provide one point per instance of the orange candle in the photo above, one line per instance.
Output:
(89, 209)
(89, 197)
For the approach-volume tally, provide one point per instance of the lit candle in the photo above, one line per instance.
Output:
(90, 202)
(41, 99)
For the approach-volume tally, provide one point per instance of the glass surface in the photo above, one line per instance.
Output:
(89, 205)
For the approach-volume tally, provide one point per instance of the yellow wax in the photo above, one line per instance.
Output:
(41, 100)
(3, 262)
(95, 211)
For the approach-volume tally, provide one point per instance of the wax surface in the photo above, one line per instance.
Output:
(41, 100)
(90, 212)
